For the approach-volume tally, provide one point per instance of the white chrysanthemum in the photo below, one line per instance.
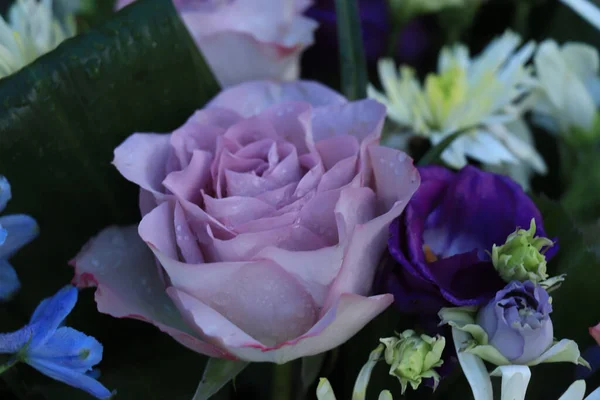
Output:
(481, 94)
(30, 32)
(569, 88)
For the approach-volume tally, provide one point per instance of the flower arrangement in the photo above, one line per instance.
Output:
(295, 199)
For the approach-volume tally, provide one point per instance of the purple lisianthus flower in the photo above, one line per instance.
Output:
(439, 246)
(376, 26)
(517, 321)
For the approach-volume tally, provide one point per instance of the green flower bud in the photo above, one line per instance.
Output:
(522, 257)
(413, 357)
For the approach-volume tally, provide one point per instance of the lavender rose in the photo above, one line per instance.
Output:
(267, 211)
(264, 38)
(440, 245)
(517, 321)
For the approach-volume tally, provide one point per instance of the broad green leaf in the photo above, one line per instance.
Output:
(353, 63)
(62, 116)
(217, 373)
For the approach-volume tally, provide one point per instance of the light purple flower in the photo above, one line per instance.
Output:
(245, 40)
(268, 211)
(517, 321)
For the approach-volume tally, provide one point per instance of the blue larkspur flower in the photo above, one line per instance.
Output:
(60, 352)
(16, 230)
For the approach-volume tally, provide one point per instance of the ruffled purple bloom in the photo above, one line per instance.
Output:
(439, 246)
(518, 322)
(376, 28)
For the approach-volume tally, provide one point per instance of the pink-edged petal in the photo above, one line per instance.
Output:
(158, 228)
(259, 297)
(236, 210)
(345, 318)
(315, 270)
(123, 269)
(141, 159)
(246, 58)
(251, 98)
(341, 174)
(188, 184)
(395, 177)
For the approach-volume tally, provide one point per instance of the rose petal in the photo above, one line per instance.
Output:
(348, 315)
(186, 239)
(394, 174)
(365, 238)
(341, 174)
(315, 270)
(251, 98)
(290, 122)
(123, 269)
(334, 149)
(141, 159)
(187, 184)
(245, 245)
(236, 210)
(257, 296)
(360, 119)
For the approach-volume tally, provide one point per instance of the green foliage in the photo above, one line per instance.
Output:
(62, 116)
(353, 64)
(217, 373)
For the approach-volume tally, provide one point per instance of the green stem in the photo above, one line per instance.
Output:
(522, 11)
(282, 388)
(5, 367)
(436, 151)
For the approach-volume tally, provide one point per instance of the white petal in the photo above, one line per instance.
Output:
(575, 392)
(515, 379)
(473, 368)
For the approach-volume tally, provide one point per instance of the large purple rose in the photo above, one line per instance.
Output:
(268, 213)
(439, 246)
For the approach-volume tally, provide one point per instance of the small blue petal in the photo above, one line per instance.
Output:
(12, 343)
(71, 377)
(51, 312)
(5, 193)
(69, 348)
(9, 281)
(21, 229)
(3, 235)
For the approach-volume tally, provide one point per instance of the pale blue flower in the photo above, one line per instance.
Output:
(16, 231)
(60, 352)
